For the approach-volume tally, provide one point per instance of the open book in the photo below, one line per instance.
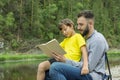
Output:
(50, 47)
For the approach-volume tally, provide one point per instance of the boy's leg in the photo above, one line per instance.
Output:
(47, 77)
(63, 71)
(41, 70)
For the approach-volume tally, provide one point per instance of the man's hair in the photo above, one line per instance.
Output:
(87, 14)
(66, 22)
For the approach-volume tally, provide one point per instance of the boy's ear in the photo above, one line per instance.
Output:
(72, 26)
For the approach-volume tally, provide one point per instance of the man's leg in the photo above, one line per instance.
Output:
(47, 77)
(63, 71)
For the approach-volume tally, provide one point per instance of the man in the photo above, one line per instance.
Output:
(96, 46)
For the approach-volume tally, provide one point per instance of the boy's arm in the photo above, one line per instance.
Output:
(85, 69)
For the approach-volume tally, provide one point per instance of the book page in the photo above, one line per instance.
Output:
(53, 45)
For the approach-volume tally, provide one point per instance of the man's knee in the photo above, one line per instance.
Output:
(57, 66)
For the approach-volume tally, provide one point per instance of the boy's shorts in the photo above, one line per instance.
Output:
(51, 60)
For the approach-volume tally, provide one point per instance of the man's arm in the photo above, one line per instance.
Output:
(96, 51)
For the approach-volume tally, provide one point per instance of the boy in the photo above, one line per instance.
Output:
(73, 44)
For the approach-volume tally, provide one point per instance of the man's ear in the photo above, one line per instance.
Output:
(91, 22)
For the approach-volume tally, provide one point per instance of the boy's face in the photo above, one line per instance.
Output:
(67, 30)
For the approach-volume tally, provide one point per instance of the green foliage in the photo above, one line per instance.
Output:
(38, 19)
(14, 43)
(1, 23)
(9, 20)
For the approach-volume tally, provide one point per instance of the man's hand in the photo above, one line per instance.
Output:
(84, 70)
(58, 57)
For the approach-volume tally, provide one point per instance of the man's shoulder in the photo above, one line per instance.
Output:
(97, 35)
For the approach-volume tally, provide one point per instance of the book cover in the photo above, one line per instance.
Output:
(51, 46)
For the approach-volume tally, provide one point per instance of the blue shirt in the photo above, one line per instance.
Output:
(96, 46)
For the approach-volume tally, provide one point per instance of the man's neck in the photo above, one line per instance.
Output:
(90, 33)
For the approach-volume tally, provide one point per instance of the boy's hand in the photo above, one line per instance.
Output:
(84, 70)
(59, 57)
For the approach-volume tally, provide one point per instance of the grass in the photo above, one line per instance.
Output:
(18, 56)
(112, 53)
(7, 57)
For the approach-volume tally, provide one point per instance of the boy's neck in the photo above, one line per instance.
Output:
(73, 33)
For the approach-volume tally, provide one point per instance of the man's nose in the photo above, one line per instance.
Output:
(78, 27)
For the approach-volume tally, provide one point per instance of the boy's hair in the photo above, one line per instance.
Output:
(66, 22)
(87, 14)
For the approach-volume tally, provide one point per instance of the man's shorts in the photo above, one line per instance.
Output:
(51, 60)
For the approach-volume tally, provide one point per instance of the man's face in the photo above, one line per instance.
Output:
(83, 26)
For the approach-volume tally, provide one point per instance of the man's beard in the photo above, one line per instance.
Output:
(86, 31)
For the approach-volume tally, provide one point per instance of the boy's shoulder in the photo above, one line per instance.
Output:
(78, 35)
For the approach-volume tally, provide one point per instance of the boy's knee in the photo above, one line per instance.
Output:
(43, 66)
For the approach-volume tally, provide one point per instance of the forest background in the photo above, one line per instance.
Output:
(26, 23)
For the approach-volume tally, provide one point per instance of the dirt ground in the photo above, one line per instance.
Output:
(115, 71)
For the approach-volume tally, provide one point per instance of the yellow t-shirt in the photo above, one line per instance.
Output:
(72, 47)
